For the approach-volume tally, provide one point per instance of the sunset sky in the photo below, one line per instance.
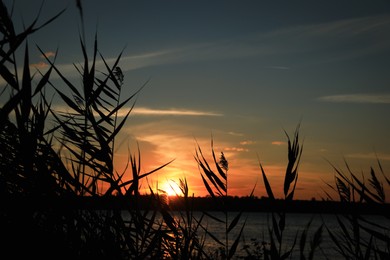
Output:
(239, 73)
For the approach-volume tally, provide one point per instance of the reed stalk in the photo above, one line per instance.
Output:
(217, 187)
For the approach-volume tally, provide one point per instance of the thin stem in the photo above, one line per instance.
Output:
(226, 218)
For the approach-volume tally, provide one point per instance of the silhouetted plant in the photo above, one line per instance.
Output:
(28, 162)
(358, 236)
(188, 242)
(217, 187)
(278, 217)
(314, 243)
(49, 184)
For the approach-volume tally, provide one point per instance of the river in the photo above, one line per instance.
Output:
(257, 226)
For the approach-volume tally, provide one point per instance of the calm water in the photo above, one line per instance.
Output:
(257, 227)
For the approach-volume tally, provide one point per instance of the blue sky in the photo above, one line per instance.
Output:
(241, 72)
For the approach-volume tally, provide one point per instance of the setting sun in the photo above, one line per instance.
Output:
(171, 187)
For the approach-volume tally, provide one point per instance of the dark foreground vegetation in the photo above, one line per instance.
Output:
(52, 177)
(206, 204)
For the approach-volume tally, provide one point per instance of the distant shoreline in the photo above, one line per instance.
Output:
(145, 202)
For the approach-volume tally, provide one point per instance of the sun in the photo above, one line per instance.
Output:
(171, 188)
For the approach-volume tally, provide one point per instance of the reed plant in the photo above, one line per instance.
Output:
(358, 236)
(189, 242)
(277, 228)
(41, 188)
(216, 184)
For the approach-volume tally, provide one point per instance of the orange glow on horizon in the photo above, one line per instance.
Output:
(244, 174)
(170, 187)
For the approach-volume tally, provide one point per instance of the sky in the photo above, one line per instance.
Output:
(240, 74)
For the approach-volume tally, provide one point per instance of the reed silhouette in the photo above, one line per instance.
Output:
(217, 187)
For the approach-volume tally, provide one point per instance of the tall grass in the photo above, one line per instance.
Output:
(39, 184)
(279, 218)
(217, 187)
(358, 236)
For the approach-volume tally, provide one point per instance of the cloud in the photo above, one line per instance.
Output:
(295, 39)
(325, 42)
(358, 98)
(236, 149)
(235, 133)
(48, 54)
(247, 142)
(336, 36)
(144, 111)
(172, 112)
(43, 65)
(40, 65)
(138, 60)
(278, 143)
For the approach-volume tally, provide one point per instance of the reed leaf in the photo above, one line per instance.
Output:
(339, 246)
(343, 190)
(381, 236)
(233, 248)
(26, 88)
(276, 229)
(213, 217)
(362, 190)
(111, 70)
(282, 221)
(10, 105)
(316, 241)
(273, 250)
(214, 237)
(266, 184)
(367, 255)
(211, 176)
(378, 187)
(382, 172)
(15, 40)
(302, 241)
(141, 176)
(43, 82)
(294, 155)
(290, 196)
(63, 78)
(8, 77)
(209, 190)
(234, 222)
(219, 169)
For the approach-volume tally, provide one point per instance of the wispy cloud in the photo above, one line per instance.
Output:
(39, 65)
(248, 142)
(48, 54)
(172, 112)
(278, 143)
(236, 149)
(135, 61)
(358, 98)
(298, 39)
(144, 111)
(325, 42)
(295, 39)
(42, 65)
(335, 37)
(235, 133)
